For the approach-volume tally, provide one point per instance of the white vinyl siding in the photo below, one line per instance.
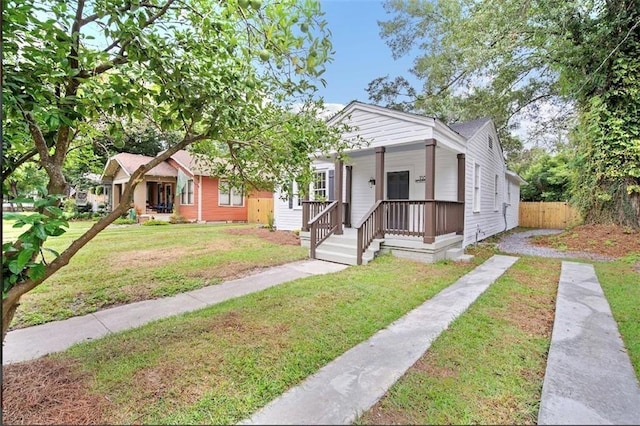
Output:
(477, 184)
(488, 219)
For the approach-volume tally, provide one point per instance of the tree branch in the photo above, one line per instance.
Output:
(136, 177)
(120, 57)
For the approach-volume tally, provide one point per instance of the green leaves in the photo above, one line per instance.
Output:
(224, 73)
(19, 258)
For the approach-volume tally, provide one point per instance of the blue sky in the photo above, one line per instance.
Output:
(360, 54)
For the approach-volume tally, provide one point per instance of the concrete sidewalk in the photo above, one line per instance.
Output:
(33, 342)
(340, 391)
(589, 377)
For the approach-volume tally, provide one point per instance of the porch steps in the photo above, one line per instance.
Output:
(342, 249)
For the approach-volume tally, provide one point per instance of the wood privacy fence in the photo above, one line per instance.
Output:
(258, 210)
(556, 215)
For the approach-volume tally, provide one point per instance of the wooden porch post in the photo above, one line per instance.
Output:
(305, 212)
(337, 195)
(380, 173)
(379, 187)
(461, 188)
(348, 179)
(430, 192)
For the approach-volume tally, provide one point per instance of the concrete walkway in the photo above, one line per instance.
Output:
(343, 389)
(589, 377)
(33, 342)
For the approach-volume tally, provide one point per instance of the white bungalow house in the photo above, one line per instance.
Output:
(420, 189)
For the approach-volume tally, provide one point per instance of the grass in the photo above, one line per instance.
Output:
(218, 365)
(488, 368)
(620, 282)
(131, 263)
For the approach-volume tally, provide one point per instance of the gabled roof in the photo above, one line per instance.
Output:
(188, 162)
(469, 128)
(409, 116)
(130, 162)
(515, 177)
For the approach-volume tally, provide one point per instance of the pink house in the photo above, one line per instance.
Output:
(179, 185)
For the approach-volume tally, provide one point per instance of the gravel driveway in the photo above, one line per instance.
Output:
(518, 243)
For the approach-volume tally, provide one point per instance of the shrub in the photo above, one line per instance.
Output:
(86, 208)
(177, 218)
(154, 222)
(270, 222)
(124, 221)
(69, 208)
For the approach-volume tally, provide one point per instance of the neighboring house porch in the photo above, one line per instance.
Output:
(177, 185)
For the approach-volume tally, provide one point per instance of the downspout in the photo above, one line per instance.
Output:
(504, 214)
(199, 198)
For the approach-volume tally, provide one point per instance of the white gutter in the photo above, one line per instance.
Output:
(199, 198)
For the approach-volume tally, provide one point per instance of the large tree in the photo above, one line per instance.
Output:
(554, 63)
(222, 74)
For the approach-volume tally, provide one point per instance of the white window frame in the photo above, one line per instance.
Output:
(495, 194)
(186, 196)
(477, 181)
(231, 194)
(508, 191)
(314, 191)
(297, 200)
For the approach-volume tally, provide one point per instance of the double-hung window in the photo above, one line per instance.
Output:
(320, 186)
(495, 193)
(476, 188)
(229, 196)
(186, 197)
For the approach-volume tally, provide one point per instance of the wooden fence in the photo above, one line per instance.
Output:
(258, 210)
(556, 215)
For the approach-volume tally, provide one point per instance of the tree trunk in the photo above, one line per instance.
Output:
(9, 307)
(57, 185)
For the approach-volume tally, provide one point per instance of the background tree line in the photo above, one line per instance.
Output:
(571, 67)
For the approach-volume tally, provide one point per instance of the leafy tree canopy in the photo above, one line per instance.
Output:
(561, 64)
(219, 74)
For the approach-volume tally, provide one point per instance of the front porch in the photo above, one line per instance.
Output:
(402, 234)
(426, 229)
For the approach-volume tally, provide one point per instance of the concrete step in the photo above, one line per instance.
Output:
(454, 253)
(464, 258)
(457, 255)
(345, 259)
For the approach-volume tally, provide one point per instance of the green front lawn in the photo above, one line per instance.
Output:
(488, 368)
(124, 264)
(220, 364)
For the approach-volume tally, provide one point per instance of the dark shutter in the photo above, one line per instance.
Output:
(330, 195)
(291, 196)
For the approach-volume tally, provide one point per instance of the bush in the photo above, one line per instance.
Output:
(154, 222)
(270, 222)
(124, 221)
(69, 208)
(177, 218)
(86, 208)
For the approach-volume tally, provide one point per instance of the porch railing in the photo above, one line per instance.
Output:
(311, 209)
(321, 226)
(418, 218)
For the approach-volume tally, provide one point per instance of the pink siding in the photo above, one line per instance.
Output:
(211, 211)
